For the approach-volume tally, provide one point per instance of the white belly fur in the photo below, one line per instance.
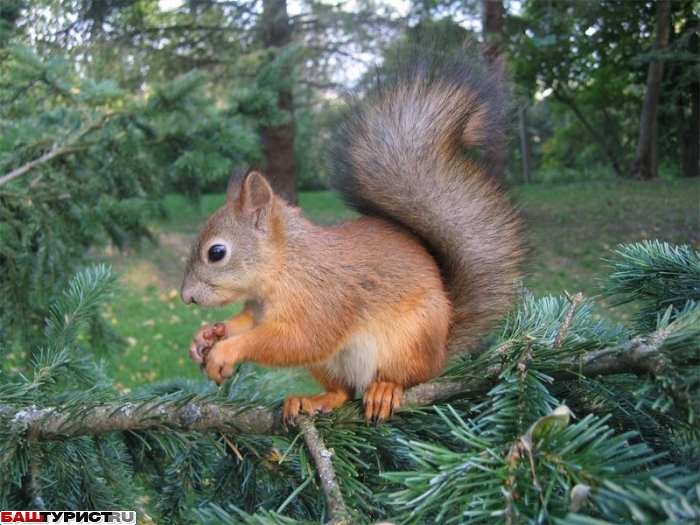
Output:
(357, 362)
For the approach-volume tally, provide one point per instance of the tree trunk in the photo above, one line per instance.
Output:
(687, 93)
(494, 53)
(691, 159)
(493, 30)
(645, 165)
(278, 141)
(524, 144)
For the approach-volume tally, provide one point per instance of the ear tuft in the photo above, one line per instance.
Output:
(233, 190)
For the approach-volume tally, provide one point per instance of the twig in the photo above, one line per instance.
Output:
(56, 152)
(575, 301)
(34, 484)
(326, 473)
(53, 153)
(637, 356)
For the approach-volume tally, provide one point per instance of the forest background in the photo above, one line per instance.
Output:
(121, 122)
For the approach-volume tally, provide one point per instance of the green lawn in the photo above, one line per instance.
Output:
(573, 226)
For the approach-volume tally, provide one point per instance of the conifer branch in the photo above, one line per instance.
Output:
(58, 424)
(637, 356)
(34, 485)
(53, 153)
(326, 473)
(56, 152)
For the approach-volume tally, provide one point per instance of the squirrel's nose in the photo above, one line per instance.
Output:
(187, 298)
(187, 290)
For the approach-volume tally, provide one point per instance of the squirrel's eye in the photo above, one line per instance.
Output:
(216, 253)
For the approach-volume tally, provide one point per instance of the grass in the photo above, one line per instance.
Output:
(573, 227)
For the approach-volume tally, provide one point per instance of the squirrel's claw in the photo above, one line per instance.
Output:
(218, 371)
(220, 331)
(295, 405)
(205, 339)
(220, 360)
(381, 399)
(197, 352)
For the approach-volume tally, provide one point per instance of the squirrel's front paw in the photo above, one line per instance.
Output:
(205, 338)
(219, 362)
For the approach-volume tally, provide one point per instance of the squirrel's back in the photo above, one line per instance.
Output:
(414, 150)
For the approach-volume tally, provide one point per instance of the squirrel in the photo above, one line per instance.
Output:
(379, 303)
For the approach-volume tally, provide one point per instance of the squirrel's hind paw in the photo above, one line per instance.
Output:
(295, 405)
(381, 399)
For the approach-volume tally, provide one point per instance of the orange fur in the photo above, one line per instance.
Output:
(365, 287)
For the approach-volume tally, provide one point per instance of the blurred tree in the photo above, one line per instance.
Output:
(260, 60)
(586, 56)
(684, 82)
(558, 49)
(495, 51)
(80, 165)
(275, 32)
(10, 12)
(493, 29)
(645, 164)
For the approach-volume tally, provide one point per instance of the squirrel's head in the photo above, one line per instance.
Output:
(231, 257)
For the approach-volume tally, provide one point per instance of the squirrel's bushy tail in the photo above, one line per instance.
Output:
(414, 150)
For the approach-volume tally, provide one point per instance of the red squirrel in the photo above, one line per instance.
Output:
(379, 303)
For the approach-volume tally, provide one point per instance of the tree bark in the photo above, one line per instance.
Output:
(494, 35)
(688, 129)
(278, 141)
(691, 159)
(644, 166)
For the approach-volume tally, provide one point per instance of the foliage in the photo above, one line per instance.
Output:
(663, 277)
(623, 449)
(85, 472)
(589, 60)
(10, 12)
(244, 75)
(82, 162)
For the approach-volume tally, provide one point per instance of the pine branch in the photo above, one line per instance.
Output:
(56, 152)
(638, 356)
(56, 424)
(326, 473)
(53, 153)
(656, 275)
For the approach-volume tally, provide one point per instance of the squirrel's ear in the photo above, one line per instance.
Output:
(254, 199)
